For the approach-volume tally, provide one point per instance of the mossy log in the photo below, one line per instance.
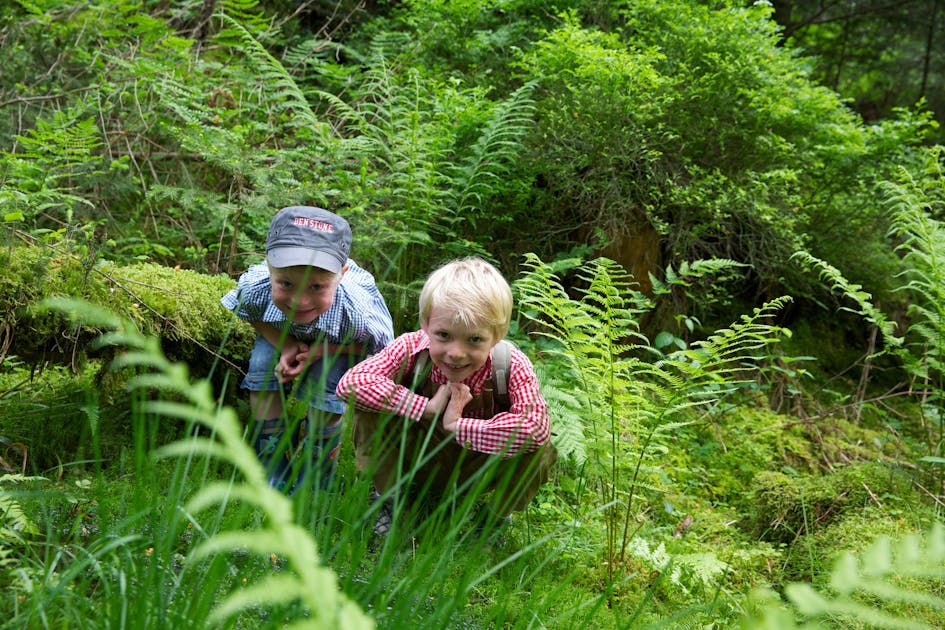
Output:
(787, 507)
(180, 307)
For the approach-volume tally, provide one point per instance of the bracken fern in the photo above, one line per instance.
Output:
(833, 278)
(866, 590)
(14, 522)
(635, 396)
(922, 246)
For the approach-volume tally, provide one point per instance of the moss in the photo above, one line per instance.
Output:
(184, 310)
(856, 532)
(724, 456)
(25, 272)
(786, 507)
(56, 409)
(841, 440)
(181, 307)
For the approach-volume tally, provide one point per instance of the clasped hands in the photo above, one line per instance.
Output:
(295, 359)
(448, 402)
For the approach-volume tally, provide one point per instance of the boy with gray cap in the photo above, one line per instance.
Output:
(316, 313)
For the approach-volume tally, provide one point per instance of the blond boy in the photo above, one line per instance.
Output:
(445, 421)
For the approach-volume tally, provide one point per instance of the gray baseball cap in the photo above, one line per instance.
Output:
(305, 235)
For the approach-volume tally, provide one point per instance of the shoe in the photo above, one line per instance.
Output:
(385, 519)
(276, 463)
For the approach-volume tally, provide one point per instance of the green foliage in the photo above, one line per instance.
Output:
(921, 241)
(15, 523)
(834, 280)
(49, 415)
(893, 584)
(475, 40)
(421, 128)
(640, 125)
(152, 132)
(718, 460)
(878, 56)
(787, 507)
(497, 146)
(182, 306)
(303, 579)
(40, 180)
(632, 407)
(600, 145)
(912, 204)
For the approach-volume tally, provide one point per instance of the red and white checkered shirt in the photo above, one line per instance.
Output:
(372, 385)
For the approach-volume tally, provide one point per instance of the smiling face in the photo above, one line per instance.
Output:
(456, 348)
(303, 293)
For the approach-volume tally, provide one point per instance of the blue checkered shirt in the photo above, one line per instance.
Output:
(357, 314)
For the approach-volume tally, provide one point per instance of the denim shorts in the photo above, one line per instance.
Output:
(316, 385)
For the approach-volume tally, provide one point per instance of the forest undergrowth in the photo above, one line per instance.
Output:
(731, 286)
(681, 498)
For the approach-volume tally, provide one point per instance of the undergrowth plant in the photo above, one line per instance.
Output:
(14, 522)
(431, 158)
(633, 396)
(914, 205)
(302, 580)
(190, 533)
(894, 584)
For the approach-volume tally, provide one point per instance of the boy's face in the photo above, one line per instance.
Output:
(458, 350)
(303, 293)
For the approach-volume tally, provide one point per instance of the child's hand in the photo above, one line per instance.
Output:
(292, 361)
(459, 396)
(437, 404)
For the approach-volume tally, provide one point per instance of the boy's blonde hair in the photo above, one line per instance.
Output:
(474, 290)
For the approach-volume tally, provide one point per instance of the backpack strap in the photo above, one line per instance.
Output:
(414, 378)
(501, 357)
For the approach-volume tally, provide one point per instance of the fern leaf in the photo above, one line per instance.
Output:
(834, 279)
(874, 578)
(14, 522)
(496, 148)
(313, 585)
(282, 88)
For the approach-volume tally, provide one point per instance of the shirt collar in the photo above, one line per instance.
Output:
(475, 381)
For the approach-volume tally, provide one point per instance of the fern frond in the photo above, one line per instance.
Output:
(497, 147)
(14, 522)
(242, 16)
(725, 360)
(283, 92)
(39, 176)
(717, 269)
(873, 575)
(834, 280)
(564, 407)
(922, 244)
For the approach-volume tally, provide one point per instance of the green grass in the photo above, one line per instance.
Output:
(176, 527)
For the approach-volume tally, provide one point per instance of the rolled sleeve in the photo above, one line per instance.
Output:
(371, 383)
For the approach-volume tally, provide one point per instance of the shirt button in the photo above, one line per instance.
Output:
(467, 445)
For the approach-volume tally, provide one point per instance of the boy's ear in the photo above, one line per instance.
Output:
(343, 270)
